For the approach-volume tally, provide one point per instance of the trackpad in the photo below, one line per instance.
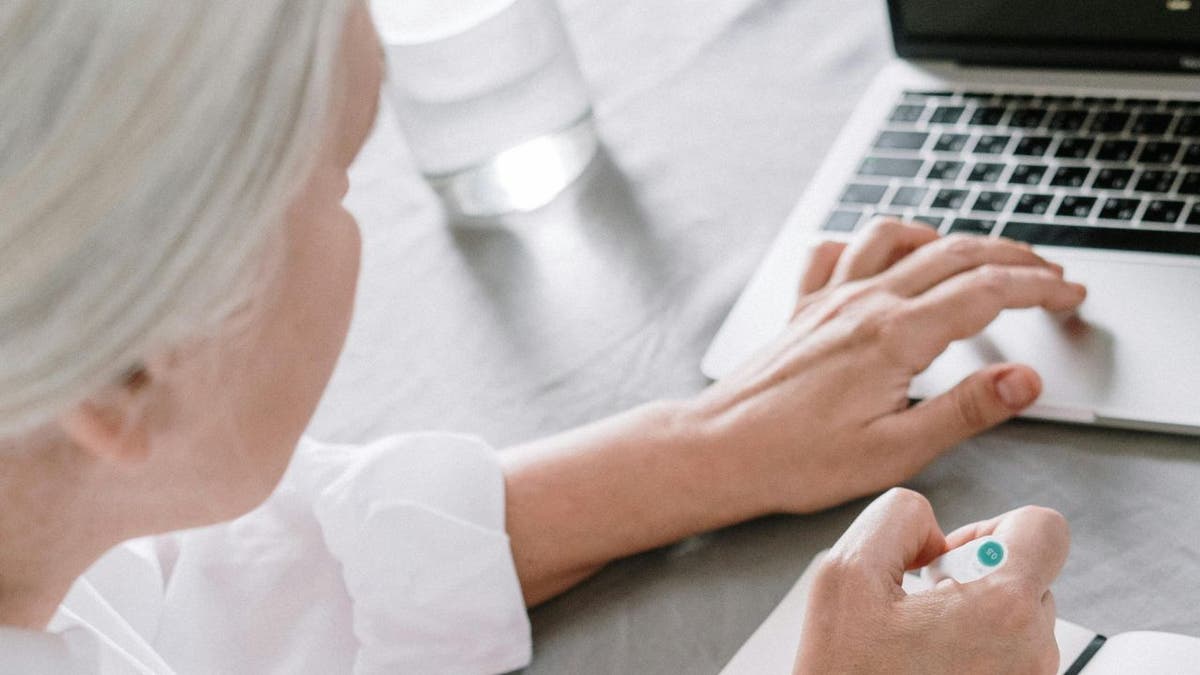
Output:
(1132, 352)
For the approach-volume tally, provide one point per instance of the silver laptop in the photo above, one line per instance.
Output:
(1073, 125)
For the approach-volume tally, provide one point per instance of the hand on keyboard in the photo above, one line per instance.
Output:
(822, 414)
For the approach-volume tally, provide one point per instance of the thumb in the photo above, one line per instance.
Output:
(981, 401)
(895, 533)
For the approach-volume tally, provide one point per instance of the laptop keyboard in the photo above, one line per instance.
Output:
(1105, 173)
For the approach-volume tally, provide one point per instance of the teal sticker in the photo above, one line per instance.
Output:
(991, 554)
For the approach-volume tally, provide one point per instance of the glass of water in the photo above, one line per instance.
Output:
(490, 98)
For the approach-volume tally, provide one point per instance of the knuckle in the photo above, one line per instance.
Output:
(884, 226)
(1017, 611)
(904, 498)
(868, 326)
(838, 568)
(970, 410)
(1052, 521)
(992, 279)
(963, 246)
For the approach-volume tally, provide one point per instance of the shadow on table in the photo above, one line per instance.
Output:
(594, 234)
(584, 280)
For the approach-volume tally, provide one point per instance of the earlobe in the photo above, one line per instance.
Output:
(110, 431)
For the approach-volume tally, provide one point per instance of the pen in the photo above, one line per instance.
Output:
(969, 562)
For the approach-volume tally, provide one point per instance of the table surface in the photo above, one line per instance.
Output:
(713, 117)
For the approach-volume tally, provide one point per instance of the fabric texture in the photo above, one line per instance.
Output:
(385, 558)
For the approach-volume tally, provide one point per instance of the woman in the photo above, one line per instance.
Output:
(176, 279)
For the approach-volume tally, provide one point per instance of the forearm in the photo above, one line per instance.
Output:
(642, 479)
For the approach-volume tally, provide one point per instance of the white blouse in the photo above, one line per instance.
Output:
(385, 558)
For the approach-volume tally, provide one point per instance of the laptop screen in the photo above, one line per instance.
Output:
(1132, 34)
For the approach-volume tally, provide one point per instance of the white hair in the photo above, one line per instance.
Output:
(146, 150)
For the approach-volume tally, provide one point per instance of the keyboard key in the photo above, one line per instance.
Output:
(951, 143)
(1027, 118)
(972, 226)
(901, 140)
(1163, 211)
(891, 167)
(1156, 181)
(1120, 209)
(1033, 146)
(985, 173)
(1116, 151)
(1111, 238)
(1067, 120)
(863, 194)
(991, 201)
(1141, 102)
(947, 115)
(987, 116)
(935, 221)
(1109, 122)
(991, 145)
(1194, 215)
(1189, 127)
(906, 113)
(944, 170)
(1074, 147)
(1158, 152)
(1190, 184)
(1076, 207)
(1191, 156)
(842, 221)
(1027, 174)
(1154, 124)
(1034, 204)
(1059, 100)
(1112, 179)
(949, 199)
(919, 95)
(909, 196)
(1070, 176)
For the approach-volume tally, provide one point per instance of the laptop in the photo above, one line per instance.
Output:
(1073, 125)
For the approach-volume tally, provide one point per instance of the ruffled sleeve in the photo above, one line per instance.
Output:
(417, 524)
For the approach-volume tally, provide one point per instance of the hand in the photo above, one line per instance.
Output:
(859, 619)
(822, 414)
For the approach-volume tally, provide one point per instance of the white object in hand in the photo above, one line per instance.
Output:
(970, 562)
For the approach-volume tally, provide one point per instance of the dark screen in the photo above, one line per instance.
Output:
(1169, 23)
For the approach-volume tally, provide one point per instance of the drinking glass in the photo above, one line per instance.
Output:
(490, 97)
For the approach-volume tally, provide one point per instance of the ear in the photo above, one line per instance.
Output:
(111, 425)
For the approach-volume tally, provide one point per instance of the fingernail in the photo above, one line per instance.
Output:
(1016, 390)
(1079, 289)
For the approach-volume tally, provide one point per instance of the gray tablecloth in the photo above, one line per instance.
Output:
(713, 114)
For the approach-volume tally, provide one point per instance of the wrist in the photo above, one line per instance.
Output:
(725, 459)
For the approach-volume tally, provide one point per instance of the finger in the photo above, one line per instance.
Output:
(966, 304)
(822, 260)
(1037, 540)
(897, 532)
(981, 401)
(954, 255)
(886, 242)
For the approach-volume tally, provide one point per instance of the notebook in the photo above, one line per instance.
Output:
(772, 648)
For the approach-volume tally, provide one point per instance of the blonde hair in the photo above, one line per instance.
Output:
(147, 148)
